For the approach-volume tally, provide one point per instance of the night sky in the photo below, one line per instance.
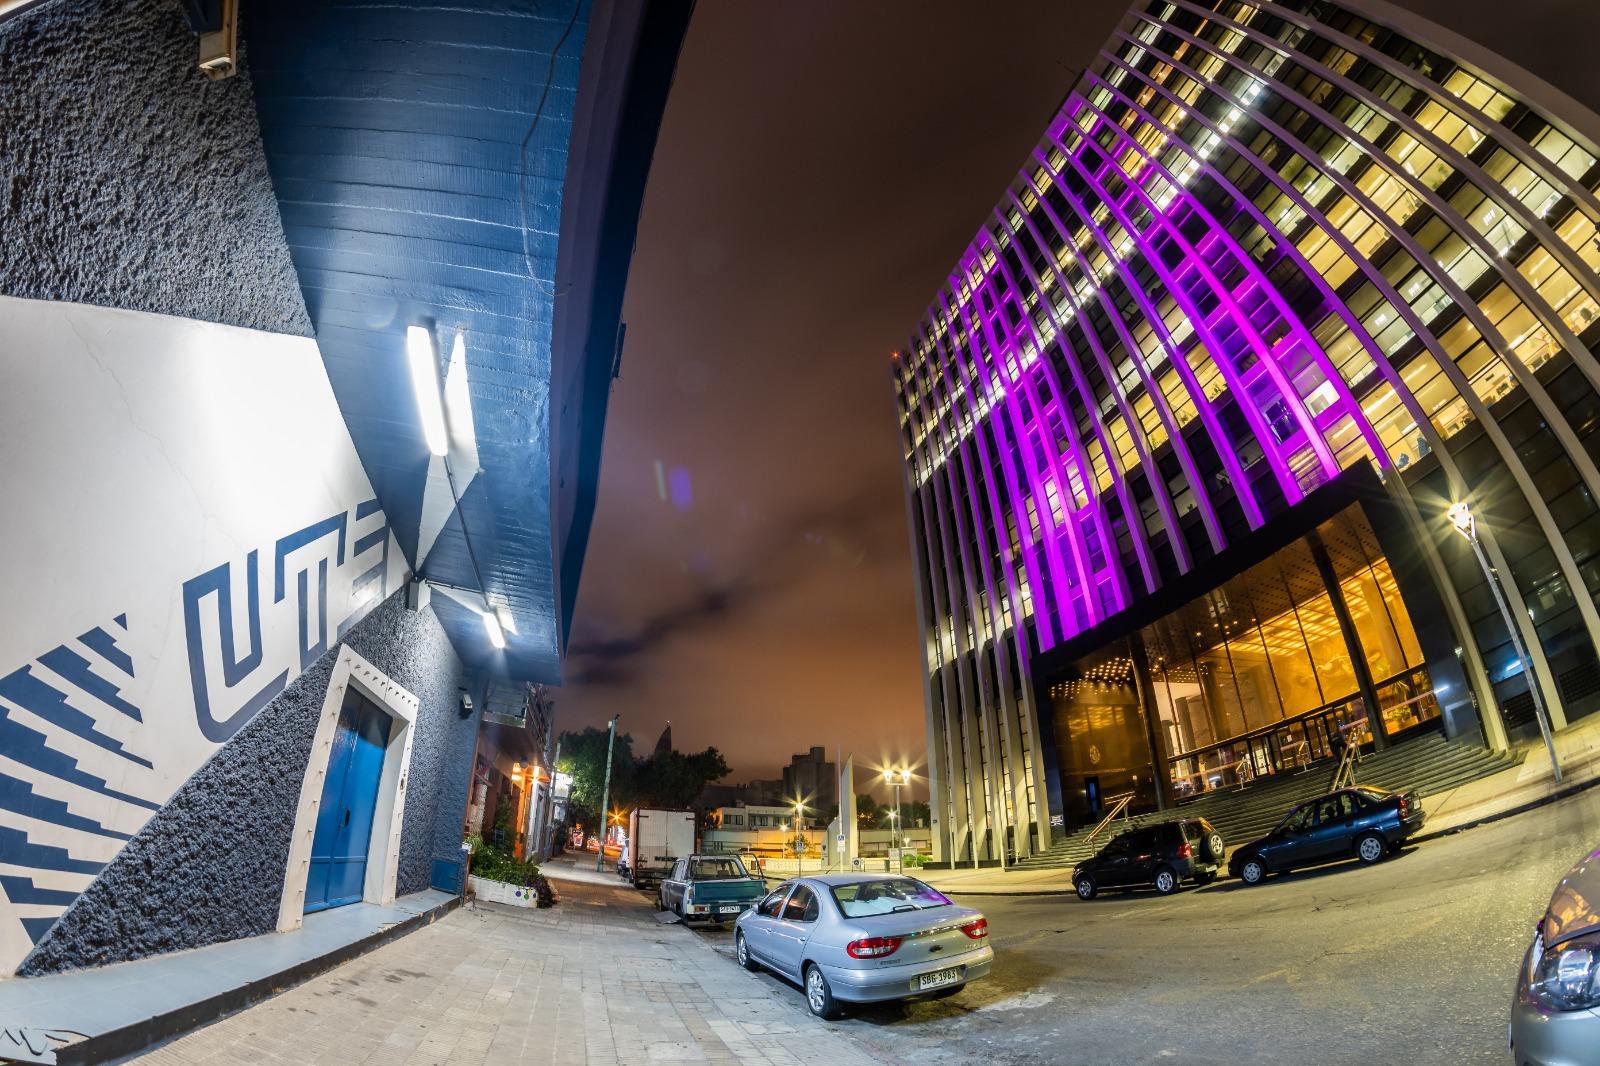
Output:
(820, 168)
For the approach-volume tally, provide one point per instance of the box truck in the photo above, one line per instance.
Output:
(657, 840)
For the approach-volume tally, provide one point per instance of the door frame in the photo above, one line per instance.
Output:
(383, 848)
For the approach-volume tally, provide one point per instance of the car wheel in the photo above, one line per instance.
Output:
(819, 997)
(1086, 887)
(661, 902)
(1166, 882)
(741, 951)
(1251, 871)
(1214, 847)
(1371, 847)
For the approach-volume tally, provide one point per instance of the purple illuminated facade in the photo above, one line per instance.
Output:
(1277, 273)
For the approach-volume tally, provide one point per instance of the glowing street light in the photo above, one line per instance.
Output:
(1461, 517)
(896, 778)
(798, 807)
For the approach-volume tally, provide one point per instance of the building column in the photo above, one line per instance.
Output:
(1151, 713)
(1352, 639)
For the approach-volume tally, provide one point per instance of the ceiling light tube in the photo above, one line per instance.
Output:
(425, 383)
(496, 636)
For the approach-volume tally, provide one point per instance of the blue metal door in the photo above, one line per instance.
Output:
(349, 798)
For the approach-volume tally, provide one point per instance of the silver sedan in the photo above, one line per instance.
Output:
(1555, 1015)
(864, 938)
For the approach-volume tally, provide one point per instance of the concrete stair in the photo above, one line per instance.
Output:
(1426, 764)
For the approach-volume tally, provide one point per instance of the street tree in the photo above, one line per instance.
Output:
(674, 779)
(583, 755)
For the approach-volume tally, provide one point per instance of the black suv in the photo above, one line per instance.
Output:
(1161, 856)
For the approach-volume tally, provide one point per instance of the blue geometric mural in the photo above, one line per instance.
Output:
(68, 728)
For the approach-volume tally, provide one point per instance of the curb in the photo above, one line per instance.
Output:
(118, 1045)
(1566, 792)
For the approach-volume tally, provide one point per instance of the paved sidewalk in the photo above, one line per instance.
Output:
(1528, 784)
(594, 980)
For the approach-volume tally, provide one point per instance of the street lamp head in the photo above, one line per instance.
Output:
(1461, 518)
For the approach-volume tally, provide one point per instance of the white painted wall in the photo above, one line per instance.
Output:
(139, 452)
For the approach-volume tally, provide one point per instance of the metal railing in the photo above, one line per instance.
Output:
(1345, 775)
(1119, 806)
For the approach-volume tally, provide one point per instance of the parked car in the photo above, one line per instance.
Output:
(1555, 1015)
(864, 938)
(710, 887)
(1160, 856)
(1362, 823)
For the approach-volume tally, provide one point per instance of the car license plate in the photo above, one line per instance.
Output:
(938, 979)
(735, 909)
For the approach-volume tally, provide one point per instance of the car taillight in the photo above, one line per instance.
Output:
(976, 929)
(1402, 806)
(873, 947)
(1185, 851)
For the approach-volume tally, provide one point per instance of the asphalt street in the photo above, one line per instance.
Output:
(1410, 961)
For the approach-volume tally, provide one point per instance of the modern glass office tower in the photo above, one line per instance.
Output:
(1281, 282)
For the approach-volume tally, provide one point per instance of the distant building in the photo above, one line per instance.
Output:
(810, 778)
(753, 816)
(756, 792)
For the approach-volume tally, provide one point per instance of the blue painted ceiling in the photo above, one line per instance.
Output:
(395, 137)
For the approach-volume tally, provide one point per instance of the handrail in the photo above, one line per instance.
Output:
(1119, 806)
(1348, 758)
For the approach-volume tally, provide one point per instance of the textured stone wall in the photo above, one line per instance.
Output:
(209, 866)
(127, 179)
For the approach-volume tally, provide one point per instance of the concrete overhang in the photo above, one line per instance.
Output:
(477, 170)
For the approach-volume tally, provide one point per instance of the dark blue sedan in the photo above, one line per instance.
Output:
(1362, 823)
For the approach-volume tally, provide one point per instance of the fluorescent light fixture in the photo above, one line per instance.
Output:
(458, 403)
(507, 623)
(492, 624)
(425, 383)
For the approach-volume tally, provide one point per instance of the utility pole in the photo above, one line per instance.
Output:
(897, 837)
(547, 831)
(605, 796)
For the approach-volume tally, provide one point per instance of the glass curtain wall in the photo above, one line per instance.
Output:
(1257, 677)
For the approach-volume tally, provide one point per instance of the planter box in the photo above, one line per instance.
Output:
(500, 892)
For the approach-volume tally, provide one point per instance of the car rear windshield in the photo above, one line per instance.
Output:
(716, 869)
(866, 898)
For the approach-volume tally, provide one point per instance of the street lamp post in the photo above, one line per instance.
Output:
(798, 807)
(605, 795)
(896, 778)
(1461, 518)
